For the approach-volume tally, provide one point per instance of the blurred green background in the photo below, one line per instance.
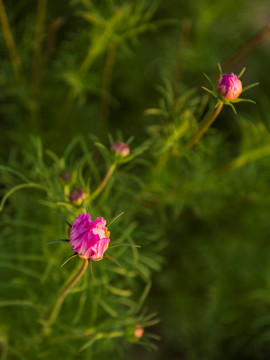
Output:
(76, 73)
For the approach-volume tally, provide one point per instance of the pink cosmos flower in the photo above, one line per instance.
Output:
(229, 86)
(120, 148)
(90, 239)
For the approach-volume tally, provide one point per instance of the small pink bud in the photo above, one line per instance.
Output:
(89, 238)
(76, 196)
(138, 332)
(120, 148)
(66, 176)
(229, 86)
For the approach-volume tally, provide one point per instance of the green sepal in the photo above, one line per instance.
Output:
(115, 218)
(220, 69)
(113, 259)
(211, 82)
(214, 93)
(63, 219)
(91, 268)
(85, 206)
(69, 258)
(124, 244)
(58, 240)
(241, 73)
(250, 87)
(231, 105)
(243, 100)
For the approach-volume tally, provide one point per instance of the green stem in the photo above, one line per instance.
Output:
(15, 58)
(104, 181)
(57, 306)
(204, 128)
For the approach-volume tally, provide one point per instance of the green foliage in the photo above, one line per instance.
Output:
(73, 74)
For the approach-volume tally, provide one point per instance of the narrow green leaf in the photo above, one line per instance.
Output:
(108, 308)
(113, 259)
(120, 292)
(220, 69)
(21, 269)
(88, 344)
(19, 187)
(210, 92)
(115, 218)
(152, 111)
(143, 297)
(231, 105)
(91, 268)
(86, 208)
(241, 73)
(243, 100)
(210, 80)
(58, 240)
(250, 86)
(69, 258)
(17, 303)
(71, 146)
(63, 219)
(124, 244)
(15, 172)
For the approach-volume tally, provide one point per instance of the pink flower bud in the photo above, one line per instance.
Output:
(120, 148)
(76, 196)
(90, 239)
(66, 176)
(229, 86)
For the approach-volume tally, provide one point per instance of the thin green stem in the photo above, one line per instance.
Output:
(204, 128)
(15, 58)
(58, 304)
(104, 181)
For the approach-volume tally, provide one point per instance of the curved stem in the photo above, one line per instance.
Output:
(204, 128)
(57, 306)
(104, 182)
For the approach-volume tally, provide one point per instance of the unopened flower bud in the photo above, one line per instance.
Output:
(90, 239)
(76, 196)
(66, 176)
(138, 332)
(229, 86)
(120, 148)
